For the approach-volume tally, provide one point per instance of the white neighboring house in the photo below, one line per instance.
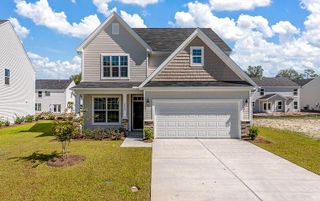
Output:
(17, 76)
(53, 96)
(310, 94)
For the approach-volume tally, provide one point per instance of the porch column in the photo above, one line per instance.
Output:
(125, 106)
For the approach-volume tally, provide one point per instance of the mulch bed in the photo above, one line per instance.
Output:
(69, 160)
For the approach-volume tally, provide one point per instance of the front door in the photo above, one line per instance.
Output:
(137, 113)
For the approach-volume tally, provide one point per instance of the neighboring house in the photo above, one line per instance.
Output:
(278, 94)
(179, 81)
(309, 94)
(55, 96)
(17, 76)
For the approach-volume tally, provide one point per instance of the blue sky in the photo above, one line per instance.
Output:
(251, 28)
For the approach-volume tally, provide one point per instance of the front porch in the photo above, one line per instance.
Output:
(272, 103)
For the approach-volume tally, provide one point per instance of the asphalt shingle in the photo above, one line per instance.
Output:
(52, 84)
(274, 81)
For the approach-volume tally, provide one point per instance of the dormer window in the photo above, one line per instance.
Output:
(196, 54)
(114, 66)
(115, 29)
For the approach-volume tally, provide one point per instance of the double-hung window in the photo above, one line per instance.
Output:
(6, 76)
(106, 110)
(115, 66)
(197, 56)
(295, 92)
(47, 93)
(279, 105)
(57, 108)
(295, 105)
(39, 94)
(38, 107)
(261, 92)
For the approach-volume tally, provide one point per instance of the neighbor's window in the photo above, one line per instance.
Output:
(38, 107)
(261, 92)
(295, 105)
(279, 105)
(47, 93)
(56, 108)
(39, 94)
(6, 76)
(106, 110)
(295, 92)
(196, 56)
(115, 66)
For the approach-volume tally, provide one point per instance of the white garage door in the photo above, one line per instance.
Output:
(196, 119)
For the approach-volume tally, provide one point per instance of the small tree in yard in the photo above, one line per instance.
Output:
(64, 131)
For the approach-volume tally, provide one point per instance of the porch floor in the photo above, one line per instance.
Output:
(135, 139)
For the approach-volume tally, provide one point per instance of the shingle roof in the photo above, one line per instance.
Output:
(303, 82)
(169, 39)
(52, 84)
(197, 84)
(274, 81)
(97, 85)
(3, 21)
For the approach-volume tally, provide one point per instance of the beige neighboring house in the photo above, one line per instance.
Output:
(181, 82)
(310, 94)
(17, 76)
(276, 94)
(54, 96)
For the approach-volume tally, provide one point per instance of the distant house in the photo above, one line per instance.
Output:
(276, 94)
(17, 76)
(54, 96)
(310, 94)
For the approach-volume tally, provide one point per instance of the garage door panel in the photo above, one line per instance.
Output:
(197, 120)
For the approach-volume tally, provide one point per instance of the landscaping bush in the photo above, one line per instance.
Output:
(29, 118)
(19, 120)
(50, 117)
(7, 123)
(37, 117)
(253, 133)
(101, 134)
(148, 134)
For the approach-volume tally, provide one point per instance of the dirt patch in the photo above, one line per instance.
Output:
(261, 140)
(66, 160)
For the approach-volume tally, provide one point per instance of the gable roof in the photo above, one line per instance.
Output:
(169, 39)
(274, 82)
(52, 84)
(112, 16)
(303, 81)
(225, 58)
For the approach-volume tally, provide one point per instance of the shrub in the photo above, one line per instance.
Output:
(1, 123)
(29, 118)
(51, 117)
(19, 120)
(37, 117)
(7, 123)
(148, 134)
(253, 132)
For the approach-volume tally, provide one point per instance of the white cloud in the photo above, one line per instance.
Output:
(41, 13)
(22, 31)
(254, 38)
(73, 1)
(45, 68)
(134, 20)
(142, 3)
(232, 5)
(103, 7)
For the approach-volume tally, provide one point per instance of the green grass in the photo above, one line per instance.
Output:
(293, 146)
(107, 173)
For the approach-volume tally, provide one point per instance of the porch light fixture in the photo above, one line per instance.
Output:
(148, 102)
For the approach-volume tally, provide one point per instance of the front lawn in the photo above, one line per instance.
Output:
(107, 173)
(293, 146)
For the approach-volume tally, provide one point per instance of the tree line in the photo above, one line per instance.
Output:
(257, 72)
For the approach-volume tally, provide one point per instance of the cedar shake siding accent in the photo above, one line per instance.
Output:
(179, 69)
(105, 42)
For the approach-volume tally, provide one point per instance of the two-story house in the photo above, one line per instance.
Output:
(17, 76)
(309, 94)
(55, 96)
(179, 81)
(277, 94)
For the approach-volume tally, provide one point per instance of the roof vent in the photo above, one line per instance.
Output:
(115, 28)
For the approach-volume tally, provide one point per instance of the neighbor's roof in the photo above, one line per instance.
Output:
(169, 39)
(99, 85)
(197, 84)
(274, 82)
(3, 21)
(303, 81)
(52, 84)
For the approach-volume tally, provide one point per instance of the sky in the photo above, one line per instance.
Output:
(276, 34)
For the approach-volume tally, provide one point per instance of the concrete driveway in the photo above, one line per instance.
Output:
(208, 170)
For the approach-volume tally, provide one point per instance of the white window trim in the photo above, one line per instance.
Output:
(191, 55)
(106, 123)
(114, 78)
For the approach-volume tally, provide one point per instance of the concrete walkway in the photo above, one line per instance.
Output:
(208, 170)
(135, 142)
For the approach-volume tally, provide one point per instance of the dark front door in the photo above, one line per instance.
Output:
(137, 115)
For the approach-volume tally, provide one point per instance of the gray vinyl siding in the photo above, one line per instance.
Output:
(105, 42)
(16, 99)
(197, 95)
(283, 91)
(310, 95)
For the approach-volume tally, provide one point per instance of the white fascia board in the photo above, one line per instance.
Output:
(112, 16)
(197, 88)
